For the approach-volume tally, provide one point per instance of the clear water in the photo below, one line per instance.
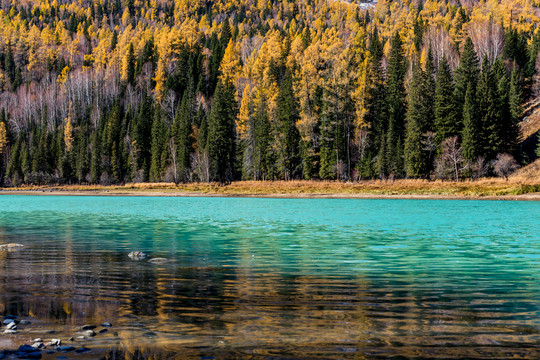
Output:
(279, 278)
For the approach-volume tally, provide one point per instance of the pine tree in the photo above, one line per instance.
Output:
(287, 116)
(446, 115)
(471, 142)
(141, 128)
(466, 73)
(130, 65)
(515, 99)
(396, 107)
(221, 147)
(418, 114)
(377, 116)
(488, 111)
(158, 145)
(95, 163)
(263, 161)
(183, 128)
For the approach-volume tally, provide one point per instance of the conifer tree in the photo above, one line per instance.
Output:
(418, 113)
(467, 72)
(395, 101)
(488, 111)
(130, 65)
(515, 99)
(290, 137)
(221, 147)
(157, 147)
(262, 154)
(183, 128)
(471, 127)
(446, 116)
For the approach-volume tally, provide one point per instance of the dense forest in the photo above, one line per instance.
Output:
(111, 91)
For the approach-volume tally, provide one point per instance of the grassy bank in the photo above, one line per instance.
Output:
(477, 188)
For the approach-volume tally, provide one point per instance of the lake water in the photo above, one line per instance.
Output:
(277, 278)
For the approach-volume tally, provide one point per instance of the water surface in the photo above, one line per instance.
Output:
(278, 278)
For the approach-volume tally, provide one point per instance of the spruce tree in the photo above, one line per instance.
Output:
(287, 116)
(515, 99)
(130, 69)
(471, 143)
(446, 115)
(488, 112)
(395, 101)
(466, 73)
(157, 146)
(263, 161)
(183, 129)
(418, 113)
(221, 147)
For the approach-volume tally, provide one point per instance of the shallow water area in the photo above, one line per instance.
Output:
(274, 278)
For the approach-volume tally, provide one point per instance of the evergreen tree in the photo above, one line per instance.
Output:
(141, 128)
(515, 99)
(466, 73)
(262, 156)
(157, 147)
(130, 66)
(287, 116)
(114, 40)
(418, 114)
(221, 147)
(183, 128)
(446, 115)
(488, 111)
(471, 142)
(395, 100)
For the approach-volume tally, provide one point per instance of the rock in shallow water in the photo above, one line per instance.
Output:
(11, 326)
(10, 332)
(88, 333)
(137, 255)
(158, 260)
(25, 348)
(9, 247)
(55, 342)
(65, 348)
(106, 324)
(88, 327)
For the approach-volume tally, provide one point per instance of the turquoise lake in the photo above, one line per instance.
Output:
(276, 278)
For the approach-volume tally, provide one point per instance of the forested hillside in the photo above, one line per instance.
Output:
(111, 91)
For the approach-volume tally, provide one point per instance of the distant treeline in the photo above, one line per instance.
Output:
(135, 91)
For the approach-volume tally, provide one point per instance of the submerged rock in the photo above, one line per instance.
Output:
(83, 350)
(65, 348)
(137, 255)
(106, 324)
(88, 327)
(158, 260)
(25, 348)
(9, 247)
(88, 333)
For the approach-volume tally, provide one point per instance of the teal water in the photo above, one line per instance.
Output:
(280, 278)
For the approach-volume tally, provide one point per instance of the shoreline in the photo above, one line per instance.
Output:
(285, 195)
